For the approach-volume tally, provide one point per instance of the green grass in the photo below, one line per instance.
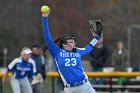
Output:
(6, 88)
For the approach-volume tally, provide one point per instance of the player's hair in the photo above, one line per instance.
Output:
(63, 40)
(44, 49)
(60, 41)
(21, 53)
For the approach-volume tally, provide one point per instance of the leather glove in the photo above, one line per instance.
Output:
(95, 27)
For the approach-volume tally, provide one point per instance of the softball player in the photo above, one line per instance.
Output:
(21, 67)
(67, 59)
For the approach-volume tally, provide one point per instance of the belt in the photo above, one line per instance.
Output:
(76, 84)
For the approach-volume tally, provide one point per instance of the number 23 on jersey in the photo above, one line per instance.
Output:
(70, 62)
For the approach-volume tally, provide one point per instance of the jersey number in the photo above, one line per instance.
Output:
(22, 72)
(70, 62)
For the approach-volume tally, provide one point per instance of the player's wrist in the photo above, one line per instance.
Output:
(93, 42)
(97, 36)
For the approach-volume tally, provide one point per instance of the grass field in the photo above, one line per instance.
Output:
(7, 88)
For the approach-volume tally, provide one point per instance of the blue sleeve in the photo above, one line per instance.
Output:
(89, 47)
(53, 49)
(86, 50)
(12, 65)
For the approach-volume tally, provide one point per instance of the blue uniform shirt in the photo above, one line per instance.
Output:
(21, 68)
(67, 63)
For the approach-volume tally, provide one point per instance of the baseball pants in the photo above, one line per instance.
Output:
(19, 85)
(85, 88)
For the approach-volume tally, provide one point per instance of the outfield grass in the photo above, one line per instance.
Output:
(6, 88)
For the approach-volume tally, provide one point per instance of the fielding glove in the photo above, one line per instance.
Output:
(95, 27)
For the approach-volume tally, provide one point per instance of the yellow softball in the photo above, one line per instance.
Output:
(45, 9)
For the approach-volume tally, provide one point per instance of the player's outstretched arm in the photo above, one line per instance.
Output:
(9, 68)
(96, 30)
(45, 10)
(89, 46)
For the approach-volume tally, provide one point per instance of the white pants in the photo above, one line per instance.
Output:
(85, 88)
(20, 84)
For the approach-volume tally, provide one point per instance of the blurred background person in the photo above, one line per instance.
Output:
(37, 56)
(98, 57)
(21, 67)
(48, 58)
(120, 57)
(120, 61)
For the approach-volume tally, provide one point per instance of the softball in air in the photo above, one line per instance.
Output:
(45, 9)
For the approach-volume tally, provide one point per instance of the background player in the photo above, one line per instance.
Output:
(67, 59)
(21, 67)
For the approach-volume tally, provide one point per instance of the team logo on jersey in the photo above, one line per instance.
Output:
(69, 54)
(22, 68)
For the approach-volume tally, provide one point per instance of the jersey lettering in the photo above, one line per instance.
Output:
(67, 54)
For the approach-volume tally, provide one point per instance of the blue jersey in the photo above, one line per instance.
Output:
(67, 63)
(21, 68)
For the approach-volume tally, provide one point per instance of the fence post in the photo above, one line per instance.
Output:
(53, 84)
(0, 85)
(110, 80)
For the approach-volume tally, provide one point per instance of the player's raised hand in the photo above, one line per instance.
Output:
(45, 10)
(96, 27)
